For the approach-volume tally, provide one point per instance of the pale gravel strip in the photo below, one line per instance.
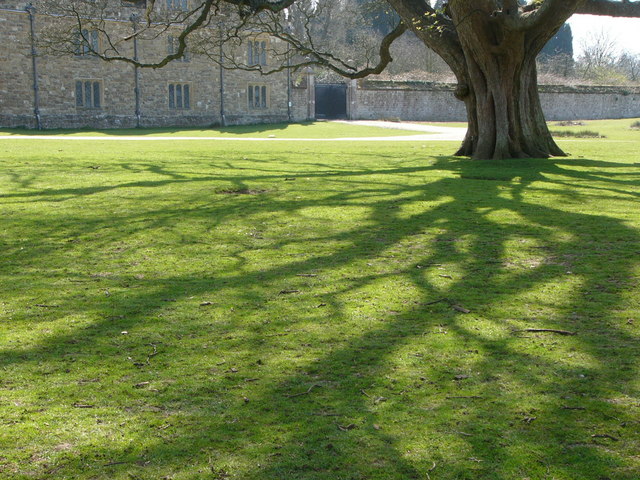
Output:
(416, 127)
(432, 134)
(410, 138)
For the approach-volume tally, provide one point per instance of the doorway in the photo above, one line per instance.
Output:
(331, 101)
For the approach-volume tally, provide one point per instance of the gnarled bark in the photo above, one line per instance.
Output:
(498, 78)
(505, 116)
(501, 97)
(491, 47)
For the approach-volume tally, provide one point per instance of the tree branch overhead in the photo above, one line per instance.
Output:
(609, 8)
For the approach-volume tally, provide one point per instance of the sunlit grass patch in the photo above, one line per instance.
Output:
(277, 311)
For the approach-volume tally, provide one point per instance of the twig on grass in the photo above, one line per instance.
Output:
(605, 435)
(460, 309)
(451, 303)
(303, 393)
(431, 470)
(549, 330)
(345, 428)
(434, 301)
(155, 352)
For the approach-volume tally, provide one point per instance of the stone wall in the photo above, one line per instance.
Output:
(423, 101)
(589, 103)
(16, 82)
(405, 100)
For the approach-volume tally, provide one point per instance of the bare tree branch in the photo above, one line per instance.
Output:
(624, 8)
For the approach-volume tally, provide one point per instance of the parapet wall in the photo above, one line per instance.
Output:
(425, 101)
(589, 103)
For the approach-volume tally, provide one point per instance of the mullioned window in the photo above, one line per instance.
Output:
(89, 94)
(179, 96)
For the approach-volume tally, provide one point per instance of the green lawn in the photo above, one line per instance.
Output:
(281, 130)
(610, 129)
(318, 311)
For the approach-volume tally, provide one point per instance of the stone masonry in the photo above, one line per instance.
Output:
(423, 101)
(58, 76)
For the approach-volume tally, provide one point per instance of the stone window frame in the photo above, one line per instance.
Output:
(182, 100)
(87, 42)
(179, 5)
(86, 96)
(261, 101)
(257, 51)
(172, 47)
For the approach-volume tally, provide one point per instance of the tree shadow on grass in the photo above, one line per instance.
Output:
(374, 397)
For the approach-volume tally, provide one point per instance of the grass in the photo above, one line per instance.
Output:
(282, 130)
(445, 124)
(257, 311)
(577, 134)
(616, 130)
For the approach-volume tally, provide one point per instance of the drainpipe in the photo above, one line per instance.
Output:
(30, 9)
(352, 99)
(311, 95)
(289, 87)
(136, 70)
(289, 28)
(223, 120)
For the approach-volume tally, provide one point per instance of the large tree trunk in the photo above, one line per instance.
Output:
(505, 118)
(491, 46)
(500, 89)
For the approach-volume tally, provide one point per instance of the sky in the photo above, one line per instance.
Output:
(626, 31)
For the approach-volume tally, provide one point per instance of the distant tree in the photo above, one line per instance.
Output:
(599, 50)
(381, 17)
(598, 58)
(556, 58)
(560, 44)
(629, 65)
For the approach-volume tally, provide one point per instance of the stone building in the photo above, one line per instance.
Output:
(79, 90)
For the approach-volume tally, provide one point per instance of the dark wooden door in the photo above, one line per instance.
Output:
(331, 100)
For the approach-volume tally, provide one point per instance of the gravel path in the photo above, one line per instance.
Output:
(429, 133)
